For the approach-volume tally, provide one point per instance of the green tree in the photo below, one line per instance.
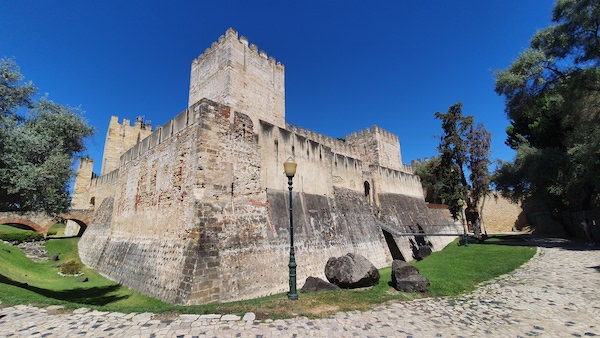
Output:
(464, 147)
(453, 152)
(427, 173)
(38, 143)
(552, 95)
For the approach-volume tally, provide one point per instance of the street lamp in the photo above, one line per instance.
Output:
(462, 218)
(289, 166)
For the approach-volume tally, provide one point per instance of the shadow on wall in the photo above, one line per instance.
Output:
(418, 242)
(392, 246)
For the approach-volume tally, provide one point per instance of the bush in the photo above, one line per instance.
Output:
(25, 236)
(70, 267)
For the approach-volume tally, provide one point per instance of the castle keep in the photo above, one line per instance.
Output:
(196, 211)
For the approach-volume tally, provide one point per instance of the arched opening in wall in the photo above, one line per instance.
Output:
(93, 200)
(293, 152)
(392, 246)
(367, 190)
(57, 230)
(74, 228)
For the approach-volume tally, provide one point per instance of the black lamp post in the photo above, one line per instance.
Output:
(289, 166)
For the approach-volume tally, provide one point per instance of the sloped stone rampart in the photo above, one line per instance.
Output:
(407, 214)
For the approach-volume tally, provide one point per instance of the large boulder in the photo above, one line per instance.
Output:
(315, 284)
(351, 271)
(407, 278)
(423, 252)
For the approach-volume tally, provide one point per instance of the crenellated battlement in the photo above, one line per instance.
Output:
(421, 161)
(369, 132)
(231, 35)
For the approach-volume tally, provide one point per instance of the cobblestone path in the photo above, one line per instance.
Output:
(556, 294)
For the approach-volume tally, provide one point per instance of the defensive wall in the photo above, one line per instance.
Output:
(197, 212)
(194, 201)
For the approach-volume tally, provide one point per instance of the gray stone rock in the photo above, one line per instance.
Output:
(230, 317)
(351, 271)
(407, 278)
(249, 317)
(315, 284)
(55, 257)
(82, 279)
(423, 252)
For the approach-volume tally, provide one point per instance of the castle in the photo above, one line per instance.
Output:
(196, 210)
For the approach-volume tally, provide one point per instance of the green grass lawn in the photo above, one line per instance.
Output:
(57, 230)
(459, 269)
(452, 271)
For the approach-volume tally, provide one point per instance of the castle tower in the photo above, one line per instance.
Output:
(120, 138)
(81, 193)
(235, 74)
(377, 147)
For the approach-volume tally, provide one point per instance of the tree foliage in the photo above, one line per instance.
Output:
(552, 95)
(38, 142)
(464, 147)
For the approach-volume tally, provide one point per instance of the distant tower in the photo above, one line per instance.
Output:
(81, 193)
(120, 138)
(378, 147)
(235, 74)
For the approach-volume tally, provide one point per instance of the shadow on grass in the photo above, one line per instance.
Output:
(91, 296)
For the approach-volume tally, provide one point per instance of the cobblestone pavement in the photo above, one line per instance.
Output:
(556, 294)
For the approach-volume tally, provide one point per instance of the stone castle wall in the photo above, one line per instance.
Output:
(197, 212)
(194, 202)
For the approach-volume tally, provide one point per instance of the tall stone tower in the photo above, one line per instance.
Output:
(235, 74)
(120, 138)
(81, 193)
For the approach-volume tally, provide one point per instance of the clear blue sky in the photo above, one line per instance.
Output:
(349, 64)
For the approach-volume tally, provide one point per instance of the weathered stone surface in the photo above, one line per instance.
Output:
(351, 271)
(407, 278)
(36, 251)
(82, 279)
(315, 284)
(55, 257)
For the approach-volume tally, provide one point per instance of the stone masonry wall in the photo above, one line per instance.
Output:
(190, 222)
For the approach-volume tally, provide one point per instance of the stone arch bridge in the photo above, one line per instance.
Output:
(42, 222)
